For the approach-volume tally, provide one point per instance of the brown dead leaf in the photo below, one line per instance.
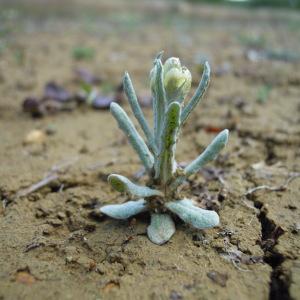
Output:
(25, 278)
(110, 285)
(213, 129)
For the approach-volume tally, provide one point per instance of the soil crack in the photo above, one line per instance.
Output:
(271, 232)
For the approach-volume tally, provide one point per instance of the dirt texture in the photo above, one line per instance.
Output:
(54, 242)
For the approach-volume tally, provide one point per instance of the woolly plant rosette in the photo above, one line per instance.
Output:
(170, 83)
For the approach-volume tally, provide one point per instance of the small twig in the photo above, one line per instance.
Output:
(50, 176)
(4, 203)
(239, 268)
(251, 220)
(61, 188)
(98, 165)
(62, 165)
(33, 188)
(222, 180)
(33, 245)
(278, 188)
(251, 206)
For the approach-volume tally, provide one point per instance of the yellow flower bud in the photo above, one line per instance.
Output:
(170, 63)
(177, 82)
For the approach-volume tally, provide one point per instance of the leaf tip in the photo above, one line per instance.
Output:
(225, 136)
(159, 55)
(125, 76)
(214, 219)
(207, 66)
(113, 106)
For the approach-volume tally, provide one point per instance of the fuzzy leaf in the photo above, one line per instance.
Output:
(159, 97)
(161, 229)
(125, 210)
(131, 95)
(123, 184)
(193, 215)
(166, 159)
(134, 138)
(159, 55)
(198, 94)
(209, 154)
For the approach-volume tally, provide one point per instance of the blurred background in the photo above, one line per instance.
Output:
(51, 40)
(64, 61)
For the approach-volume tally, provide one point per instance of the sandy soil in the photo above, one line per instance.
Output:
(55, 244)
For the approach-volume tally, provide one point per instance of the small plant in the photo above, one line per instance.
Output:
(170, 84)
(263, 93)
(83, 53)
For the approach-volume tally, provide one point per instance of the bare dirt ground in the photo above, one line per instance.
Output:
(54, 243)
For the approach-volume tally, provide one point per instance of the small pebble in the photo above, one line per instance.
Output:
(35, 136)
(50, 129)
(61, 215)
(55, 222)
(47, 229)
(84, 150)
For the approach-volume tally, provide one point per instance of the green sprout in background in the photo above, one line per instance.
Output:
(263, 93)
(170, 84)
(83, 53)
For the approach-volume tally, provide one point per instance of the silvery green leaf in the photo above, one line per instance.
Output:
(209, 153)
(193, 215)
(131, 95)
(198, 94)
(159, 100)
(159, 55)
(123, 184)
(124, 210)
(134, 138)
(161, 229)
(165, 162)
